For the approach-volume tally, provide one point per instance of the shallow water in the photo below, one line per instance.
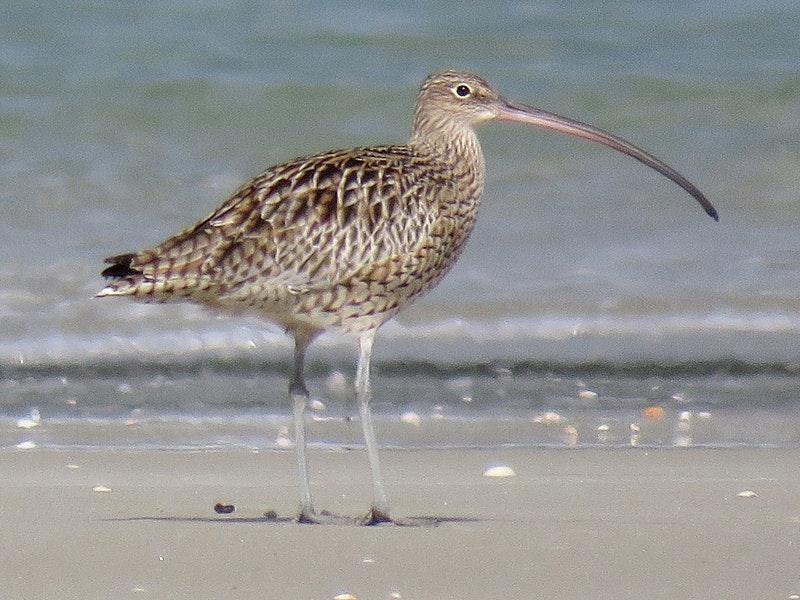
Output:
(121, 124)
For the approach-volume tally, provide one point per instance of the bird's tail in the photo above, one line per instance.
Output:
(123, 279)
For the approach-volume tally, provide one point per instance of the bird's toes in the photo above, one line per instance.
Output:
(376, 516)
(311, 517)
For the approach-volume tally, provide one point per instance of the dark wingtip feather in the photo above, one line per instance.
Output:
(120, 267)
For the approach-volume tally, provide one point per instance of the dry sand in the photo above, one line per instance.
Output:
(579, 523)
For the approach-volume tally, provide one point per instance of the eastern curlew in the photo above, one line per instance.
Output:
(343, 240)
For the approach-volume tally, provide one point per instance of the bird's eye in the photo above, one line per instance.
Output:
(463, 90)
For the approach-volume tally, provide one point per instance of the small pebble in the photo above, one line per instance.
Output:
(224, 509)
(345, 597)
(570, 435)
(548, 418)
(411, 418)
(747, 494)
(34, 419)
(283, 440)
(604, 433)
(316, 405)
(653, 413)
(636, 434)
(499, 471)
(101, 489)
(26, 445)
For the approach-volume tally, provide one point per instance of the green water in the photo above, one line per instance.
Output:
(121, 123)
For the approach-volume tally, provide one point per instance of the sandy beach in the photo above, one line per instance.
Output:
(578, 523)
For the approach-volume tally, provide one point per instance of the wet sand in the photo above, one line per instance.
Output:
(573, 523)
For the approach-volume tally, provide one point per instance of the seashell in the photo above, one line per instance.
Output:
(499, 471)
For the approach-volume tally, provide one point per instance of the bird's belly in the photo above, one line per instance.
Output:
(362, 302)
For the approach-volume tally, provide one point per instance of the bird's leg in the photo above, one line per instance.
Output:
(299, 395)
(379, 512)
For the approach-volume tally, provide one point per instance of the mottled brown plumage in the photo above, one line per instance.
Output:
(335, 241)
(343, 240)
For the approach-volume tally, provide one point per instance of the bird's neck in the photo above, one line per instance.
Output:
(455, 146)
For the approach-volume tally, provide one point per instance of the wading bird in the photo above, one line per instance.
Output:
(341, 241)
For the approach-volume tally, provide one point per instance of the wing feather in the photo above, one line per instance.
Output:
(306, 224)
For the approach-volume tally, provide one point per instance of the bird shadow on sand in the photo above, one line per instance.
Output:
(419, 521)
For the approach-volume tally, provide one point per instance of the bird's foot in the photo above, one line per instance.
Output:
(373, 517)
(311, 517)
(376, 516)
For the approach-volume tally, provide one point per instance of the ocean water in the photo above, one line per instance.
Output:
(591, 288)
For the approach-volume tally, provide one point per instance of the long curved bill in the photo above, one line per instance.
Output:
(519, 113)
